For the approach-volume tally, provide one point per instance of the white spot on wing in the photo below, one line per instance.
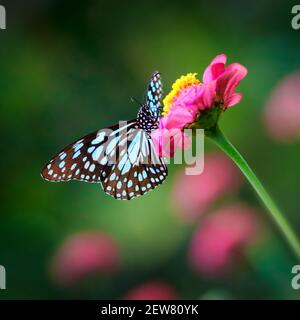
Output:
(99, 138)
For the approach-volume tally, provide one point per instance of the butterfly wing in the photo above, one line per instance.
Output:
(83, 159)
(154, 94)
(138, 170)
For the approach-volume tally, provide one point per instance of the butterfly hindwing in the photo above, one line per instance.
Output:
(138, 170)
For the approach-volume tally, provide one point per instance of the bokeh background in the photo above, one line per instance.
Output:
(69, 68)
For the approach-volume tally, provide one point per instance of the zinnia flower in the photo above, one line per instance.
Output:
(194, 104)
(83, 254)
(154, 290)
(282, 110)
(225, 233)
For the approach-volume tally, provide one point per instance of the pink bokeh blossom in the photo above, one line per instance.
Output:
(194, 194)
(220, 238)
(154, 290)
(83, 254)
(282, 110)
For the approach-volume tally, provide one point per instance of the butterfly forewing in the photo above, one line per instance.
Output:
(154, 94)
(75, 162)
(84, 159)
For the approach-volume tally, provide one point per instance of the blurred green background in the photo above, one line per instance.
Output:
(69, 68)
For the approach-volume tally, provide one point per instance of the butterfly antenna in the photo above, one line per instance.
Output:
(135, 100)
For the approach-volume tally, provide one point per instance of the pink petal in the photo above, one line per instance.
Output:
(178, 118)
(240, 70)
(215, 68)
(221, 58)
(222, 83)
(227, 83)
(233, 99)
(233, 74)
(166, 141)
(206, 100)
(238, 73)
(184, 142)
(187, 101)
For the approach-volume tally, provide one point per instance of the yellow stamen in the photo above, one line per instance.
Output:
(181, 83)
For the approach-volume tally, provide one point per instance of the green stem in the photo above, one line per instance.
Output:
(224, 144)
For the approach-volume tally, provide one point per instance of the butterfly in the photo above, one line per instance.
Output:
(122, 158)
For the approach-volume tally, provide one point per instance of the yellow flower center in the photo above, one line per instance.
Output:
(181, 83)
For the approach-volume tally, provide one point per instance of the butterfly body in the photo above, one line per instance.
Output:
(145, 120)
(121, 158)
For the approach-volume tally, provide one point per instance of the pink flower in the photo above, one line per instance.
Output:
(282, 110)
(222, 235)
(155, 290)
(220, 82)
(194, 194)
(189, 99)
(83, 254)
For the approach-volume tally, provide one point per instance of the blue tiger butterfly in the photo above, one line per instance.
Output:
(122, 158)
